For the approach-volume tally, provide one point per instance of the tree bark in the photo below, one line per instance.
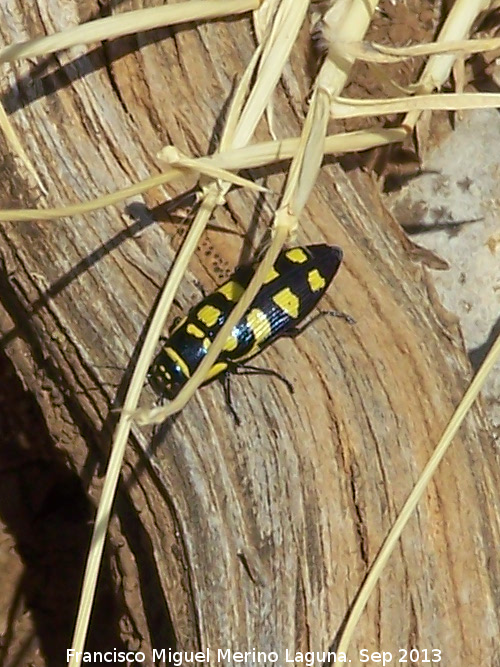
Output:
(258, 536)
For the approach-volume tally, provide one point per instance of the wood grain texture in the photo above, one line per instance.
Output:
(258, 536)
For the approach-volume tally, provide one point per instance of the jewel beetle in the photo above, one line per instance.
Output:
(293, 287)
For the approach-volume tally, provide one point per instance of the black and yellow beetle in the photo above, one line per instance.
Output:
(293, 287)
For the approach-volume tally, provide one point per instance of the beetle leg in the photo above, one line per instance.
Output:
(296, 331)
(226, 384)
(246, 369)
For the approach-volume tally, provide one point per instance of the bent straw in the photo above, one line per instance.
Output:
(381, 53)
(275, 50)
(212, 198)
(343, 107)
(127, 23)
(255, 155)
(416, 494)
(456, 26)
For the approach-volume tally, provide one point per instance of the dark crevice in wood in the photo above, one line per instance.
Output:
(45, 510)
(359, 520)
(156, 606)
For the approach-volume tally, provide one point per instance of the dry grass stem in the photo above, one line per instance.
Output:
(346, 21)
(416, 494)
(238, 103)
(122, 433)
(275, 52)
(173, 156)
(239, 133)
(270, 152)
(255, 155)
(263, 19)
(13, 141)
(343, 107)
(456, 27)
(110, 28)
(111, 199)
(380, 53)
(127, 23)
(287, 22)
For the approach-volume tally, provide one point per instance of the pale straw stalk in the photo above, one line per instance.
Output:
(214, 194)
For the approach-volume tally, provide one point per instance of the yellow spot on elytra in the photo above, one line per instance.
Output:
(176, 358)
(296, 255)
(209, 315)
(206, 343)
(315, 280)
(230, 344)
(195, 331)
(259, 323)
(231, 290)
(272, 275)
(287, 301)
(216, 369)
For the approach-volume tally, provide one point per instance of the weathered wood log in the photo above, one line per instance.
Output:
(256, 537)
